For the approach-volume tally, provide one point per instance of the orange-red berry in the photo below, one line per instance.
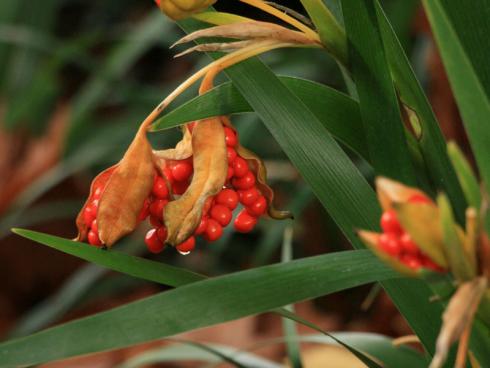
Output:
(145, 211)
(408, 245)
(230, 173)
(90, 212)
(153, 243)
(160, 189)
(419, 198)
(258, 208)
(389, 222)
(213, 230)
(248, 196)
(221, 214)
(240, 167)
(201, 228)
(182, 170)
(94, 226)
(231, 154)
(162, 233)
(389, 244)
(179, 187)
(228, 198)
(244, 222)
(93, 238)
(230, 137)
(156, 222)
(245, 182)
(187, 246)
(97, 193)
(157, 207)
(411, 261)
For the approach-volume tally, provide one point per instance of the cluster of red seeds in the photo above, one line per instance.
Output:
(240, 187)
(89, 217)
(396, 242)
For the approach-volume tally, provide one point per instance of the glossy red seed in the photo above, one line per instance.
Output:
(245, 182)
(213, 230)
(94, 227)
(230, 173)
(97, 193)
(157, 2)
(156, 222)
(428, 263)
(162, 233)
(182, 170)
(153, 244)
(157, 207)
(411, 261)
(230, 137)
(258, 208)
(240, 167)
(93, 238)
(187, 246)
(145, 211)
(390, 244)
(221, 213)
(167, 172)
(89, 214)
(231, 154)
(180, 187)
(389, 222)
(160, 189)
(244, 222)
(408, 245)
(202, 226)
(228, 198)
(249, 196)
(419, 198)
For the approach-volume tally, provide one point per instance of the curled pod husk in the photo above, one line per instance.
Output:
(125, 187)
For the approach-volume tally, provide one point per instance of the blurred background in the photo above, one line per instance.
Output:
(76, 79)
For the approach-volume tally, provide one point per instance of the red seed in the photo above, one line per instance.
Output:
(419, 198)
(228, 198)
(153, 244)
(408, 245)
(213, 230)
(157, 2)
(167, 172)
(182, 170)
(230, 173)
(187, 246)
(245, 182)
(97, 193)
(230, 137)
(89, 214)
(160, 189)
(244, 222)
(180, 187)
(258, 208)
(389, 222)
(145, 211)
(93, 238)
(94, 227)
(249, 196)
(221, 214)
(162, 233)
(390, 244)
(240, 167)
(202, 226)
(411, 261)
(157, 207)
(231, 154)
(428, 263)
(156, 222)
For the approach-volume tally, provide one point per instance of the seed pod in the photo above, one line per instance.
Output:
(210, 170)
(180, 9)
(125, 187)
(390, 191)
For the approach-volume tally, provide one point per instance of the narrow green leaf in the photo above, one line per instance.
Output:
(378, 102)
(466, 177)
(331, 34)
(200, 304)
(338, 113)
(121, 262)
(460, 41)
(220, 18)
(431, 142)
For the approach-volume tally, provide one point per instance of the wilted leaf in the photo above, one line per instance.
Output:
(183, 215)
(182, 150)
(459, 315)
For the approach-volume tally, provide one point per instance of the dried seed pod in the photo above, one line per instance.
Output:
(125, 187)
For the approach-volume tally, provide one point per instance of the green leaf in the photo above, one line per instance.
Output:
(220, 18)
(338, 113)
(331, 34)
(461, 31)
(200, 304)
(466, 177)
(121, 262)
(332, 176)
(378, 102)
(431, 141)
